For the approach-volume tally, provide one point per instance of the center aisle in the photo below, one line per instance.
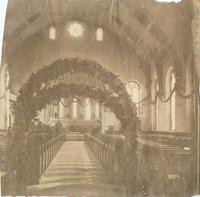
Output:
(75, 171)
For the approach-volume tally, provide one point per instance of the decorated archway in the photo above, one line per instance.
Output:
(48, 84)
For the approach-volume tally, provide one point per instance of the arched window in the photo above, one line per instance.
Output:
(133, 89)
(173, 103)
(5, 97)
(74, 108)
(99, 34)
(52, 33)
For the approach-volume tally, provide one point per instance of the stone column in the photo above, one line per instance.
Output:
(96, 111)
(61, 108)
(87, 109)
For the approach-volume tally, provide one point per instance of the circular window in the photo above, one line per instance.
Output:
(75, 29)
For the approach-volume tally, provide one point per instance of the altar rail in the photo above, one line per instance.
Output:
(76, 125)
(41, 157)
(108, 154)
(49, 150)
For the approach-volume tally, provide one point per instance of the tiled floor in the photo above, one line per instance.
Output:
(75, 172)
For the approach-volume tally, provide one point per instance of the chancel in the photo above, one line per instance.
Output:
(100, 98)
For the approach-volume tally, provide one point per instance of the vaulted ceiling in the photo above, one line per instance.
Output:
(145, 25)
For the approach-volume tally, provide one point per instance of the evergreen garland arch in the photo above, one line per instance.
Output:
(27, 103)
(33, 98)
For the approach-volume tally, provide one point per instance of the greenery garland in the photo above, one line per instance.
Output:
(71, 66)
(113, 86)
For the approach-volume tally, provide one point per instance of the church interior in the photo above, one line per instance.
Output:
(100, 98)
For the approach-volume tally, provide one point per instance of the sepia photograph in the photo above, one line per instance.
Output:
(100, 98)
